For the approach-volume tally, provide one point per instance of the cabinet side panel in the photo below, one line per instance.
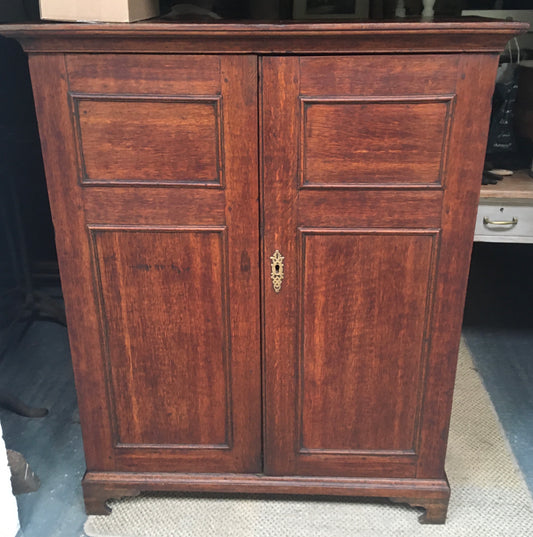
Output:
(468, 138)
(49, 80)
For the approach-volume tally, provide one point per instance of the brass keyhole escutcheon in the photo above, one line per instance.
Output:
(276, 273)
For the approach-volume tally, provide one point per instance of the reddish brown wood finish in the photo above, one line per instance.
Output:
(350, 141)
(435, 510)
(364, 301)
(357, 295)
(350, 75)
(170, 379)
(367, 183)
(96, 495)
(151, 74)
(166, 140)
(101, 486)
(472, 34)
(459, 207)
(163, 316)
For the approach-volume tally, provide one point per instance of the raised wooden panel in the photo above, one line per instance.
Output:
(379, 75)
(154, 74)
(149, 140)
(379, 142)
(365, 302)
(164, 316)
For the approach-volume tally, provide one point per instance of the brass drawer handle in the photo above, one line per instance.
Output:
(487, 221)
(276, 273)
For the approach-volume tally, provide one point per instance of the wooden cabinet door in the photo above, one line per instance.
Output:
(370, 177)
(152, 170)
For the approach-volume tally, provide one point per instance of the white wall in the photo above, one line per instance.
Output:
(9, 522)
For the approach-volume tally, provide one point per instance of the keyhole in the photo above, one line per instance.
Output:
(277, 268)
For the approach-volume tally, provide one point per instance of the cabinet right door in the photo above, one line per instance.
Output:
(370, 173)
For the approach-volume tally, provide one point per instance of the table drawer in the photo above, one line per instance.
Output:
(504, 223)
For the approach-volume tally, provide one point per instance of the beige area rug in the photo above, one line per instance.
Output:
(489, 496)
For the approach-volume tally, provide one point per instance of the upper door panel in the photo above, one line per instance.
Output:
(376, 121)
(158, 123)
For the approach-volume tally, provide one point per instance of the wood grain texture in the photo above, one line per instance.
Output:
(172, 386)
(370, 207)
(99, 486)
(408, 75)
(465, 164)
(193, 374)
(349, 142)
(364, 302)
(144, 74)
(145, 140)
(280, 124)
(363, 296)
(472, 34)
(139, 330)
(96, 494)
(50, 88)
(167, 206)
(435, 509)
(517, 188)
(236, 210)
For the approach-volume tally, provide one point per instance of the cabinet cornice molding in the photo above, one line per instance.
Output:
(469, 34)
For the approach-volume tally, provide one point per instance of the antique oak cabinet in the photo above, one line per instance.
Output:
(264, 233)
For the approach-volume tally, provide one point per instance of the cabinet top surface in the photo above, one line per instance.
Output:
(469, 34)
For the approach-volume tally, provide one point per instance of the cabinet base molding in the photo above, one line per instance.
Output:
(431, 494)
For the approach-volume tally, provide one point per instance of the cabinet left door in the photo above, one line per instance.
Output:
(151, 163)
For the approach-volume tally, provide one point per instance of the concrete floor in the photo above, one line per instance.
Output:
(39, 372)
(498, 328)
